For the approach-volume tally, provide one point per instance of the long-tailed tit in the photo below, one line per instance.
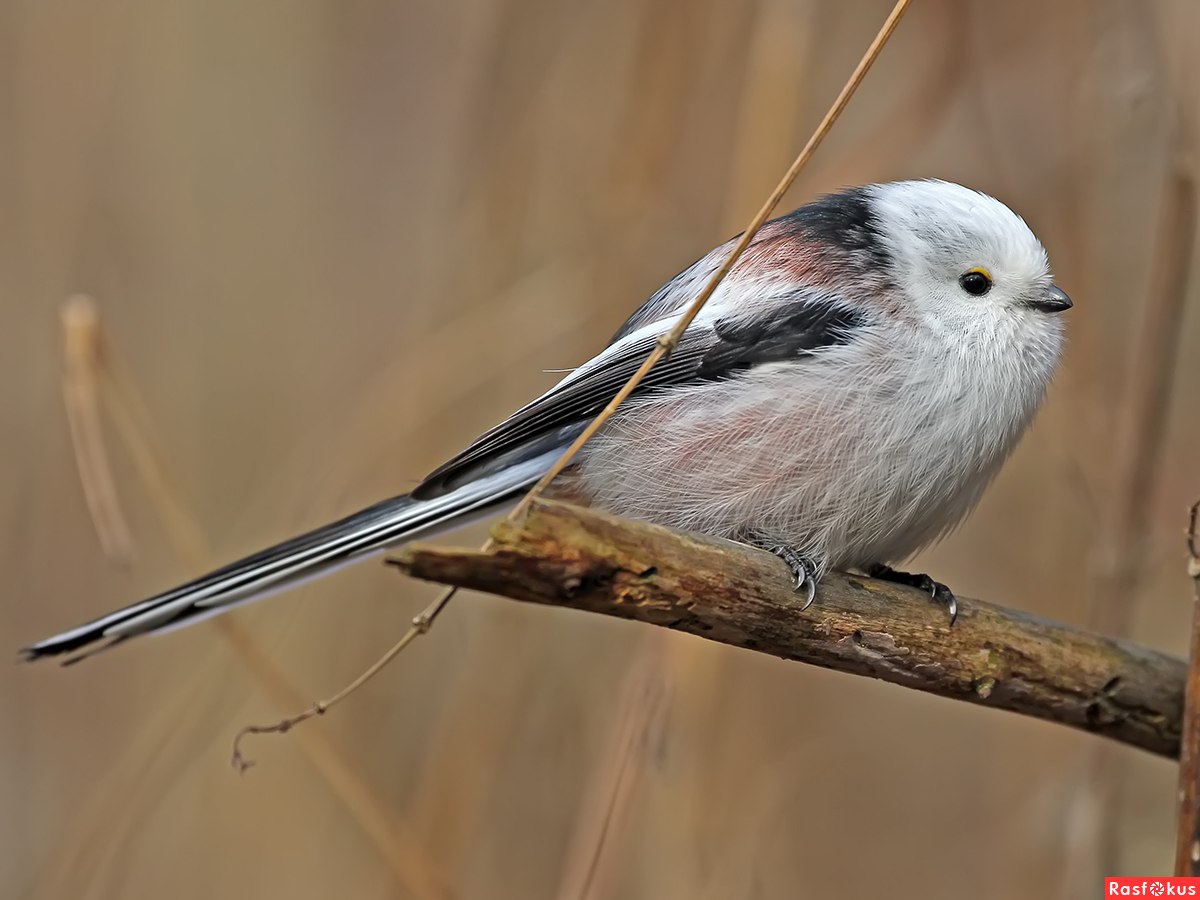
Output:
(843, 400)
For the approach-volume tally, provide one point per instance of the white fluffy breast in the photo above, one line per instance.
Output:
(861, 454)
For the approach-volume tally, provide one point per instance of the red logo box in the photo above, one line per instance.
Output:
(1152, 887)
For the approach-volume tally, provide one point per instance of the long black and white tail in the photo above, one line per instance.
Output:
(315, 553)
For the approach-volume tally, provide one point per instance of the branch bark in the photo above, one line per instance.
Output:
(1187, 835)
(562, 555)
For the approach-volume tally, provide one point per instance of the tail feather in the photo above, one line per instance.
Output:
(314, 553)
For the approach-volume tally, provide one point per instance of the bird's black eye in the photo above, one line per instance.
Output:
(976, 282)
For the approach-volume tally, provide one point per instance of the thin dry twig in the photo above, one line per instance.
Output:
(241, 762)
(424, 621)
(909, 124)
(668, 341)
(1187, 839)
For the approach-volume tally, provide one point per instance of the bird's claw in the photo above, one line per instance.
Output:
(802, 568)
(944, 596)
(939, 593)
(811, 593)
(805, 582)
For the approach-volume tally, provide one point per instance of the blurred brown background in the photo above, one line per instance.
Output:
(332, 241)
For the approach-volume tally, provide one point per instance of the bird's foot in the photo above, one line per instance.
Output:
(803, 568)
(940, 594)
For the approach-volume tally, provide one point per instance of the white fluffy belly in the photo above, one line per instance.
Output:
(865, 470)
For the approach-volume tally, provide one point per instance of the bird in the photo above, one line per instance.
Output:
(842, 401)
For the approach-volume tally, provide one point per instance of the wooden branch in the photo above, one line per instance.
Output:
(1187, 834)
(562, 555)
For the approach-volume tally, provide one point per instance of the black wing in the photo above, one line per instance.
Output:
(843, 222)
(788, 326)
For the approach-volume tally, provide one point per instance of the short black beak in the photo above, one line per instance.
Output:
(1053, 300)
